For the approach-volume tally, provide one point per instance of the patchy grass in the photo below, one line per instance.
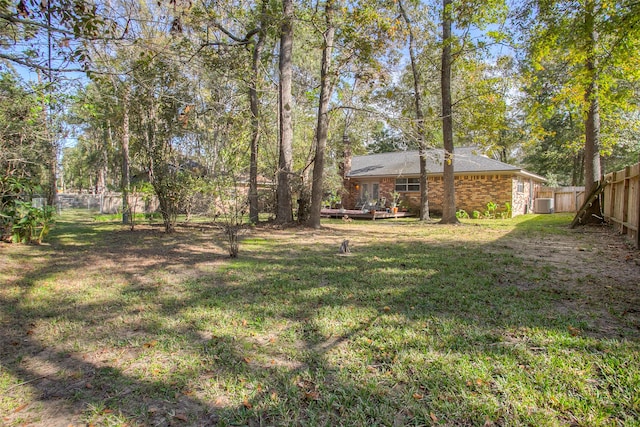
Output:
(493, 322)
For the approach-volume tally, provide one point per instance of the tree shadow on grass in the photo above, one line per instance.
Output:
(112, 360)
(409, 333)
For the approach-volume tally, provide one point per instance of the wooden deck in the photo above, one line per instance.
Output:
(357, 214)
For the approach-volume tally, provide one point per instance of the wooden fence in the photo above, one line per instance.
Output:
(565, 199)
(622, 201)
(105, 203)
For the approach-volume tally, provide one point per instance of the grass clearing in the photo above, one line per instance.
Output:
(494, 322)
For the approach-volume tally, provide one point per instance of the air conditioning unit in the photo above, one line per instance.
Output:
(543, 206)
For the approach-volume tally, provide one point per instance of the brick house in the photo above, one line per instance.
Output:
(478, 181)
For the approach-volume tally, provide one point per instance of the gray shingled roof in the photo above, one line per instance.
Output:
(406, 163)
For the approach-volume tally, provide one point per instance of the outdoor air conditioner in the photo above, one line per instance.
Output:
(543, 206)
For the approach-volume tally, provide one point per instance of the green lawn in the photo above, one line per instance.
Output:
(493, 322)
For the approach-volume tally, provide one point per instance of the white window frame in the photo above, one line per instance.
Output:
(407, 184)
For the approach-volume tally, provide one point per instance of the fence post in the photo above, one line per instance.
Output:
(611, 202)
(638, 207)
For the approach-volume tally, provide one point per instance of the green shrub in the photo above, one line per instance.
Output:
(20, 221)
(331, 200)
(491, 210)
(31, 224)
(461, 213)
(507, 213)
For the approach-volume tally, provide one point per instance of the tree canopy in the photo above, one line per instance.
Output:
(180, 94)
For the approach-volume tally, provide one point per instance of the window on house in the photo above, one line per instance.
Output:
(407, 184)
(375, 190)
(365, 192)
(520, 186)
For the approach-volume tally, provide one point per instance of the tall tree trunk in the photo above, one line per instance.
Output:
(592, 169)
(448, 178)
(108, 149)
(103, 171)
(158, 167)
(322, 129)
(345, 167)
(420, 123)
(255, 119)
(303, 189)
(52, 196)
(126, 180)
(577, 172)
(283, 192)
(346, 196)
(52, 161)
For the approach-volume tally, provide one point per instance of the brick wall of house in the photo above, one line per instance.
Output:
(349, 194)
(521, 196)
(523, 201)
(473, 192)
(387, 187)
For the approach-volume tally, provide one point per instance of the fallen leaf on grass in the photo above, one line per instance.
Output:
(311, 395)
(180, 416)
(418, 396)
(20, 408)
(309, 390)
(573, 331)
(247, 404)
(433, 417)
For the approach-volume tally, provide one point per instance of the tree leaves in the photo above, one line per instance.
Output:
(560, 45)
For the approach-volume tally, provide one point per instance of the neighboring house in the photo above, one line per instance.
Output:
(478, 181)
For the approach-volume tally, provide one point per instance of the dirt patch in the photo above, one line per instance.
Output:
(599, 267)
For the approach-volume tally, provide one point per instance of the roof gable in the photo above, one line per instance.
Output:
(404, 163)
